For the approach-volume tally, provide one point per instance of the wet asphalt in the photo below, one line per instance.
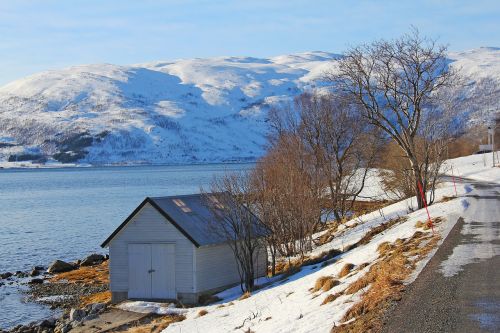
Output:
(469, 300)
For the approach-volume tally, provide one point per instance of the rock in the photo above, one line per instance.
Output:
(97, 307)
(92, 259)
(76, 314)
(6, 275)
(90, 317)
(60, 266)
(47, 323)
(38, 268)
(36, 281)
(35, 272)
(65, 328)
(20, 274)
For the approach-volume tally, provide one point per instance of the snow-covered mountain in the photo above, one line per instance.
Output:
(184, 111)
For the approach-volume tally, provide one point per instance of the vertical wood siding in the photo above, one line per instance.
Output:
(216, 266)
(149, 226)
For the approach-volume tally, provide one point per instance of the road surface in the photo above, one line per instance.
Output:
(459, 288)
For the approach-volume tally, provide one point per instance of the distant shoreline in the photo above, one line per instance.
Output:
(5, 166)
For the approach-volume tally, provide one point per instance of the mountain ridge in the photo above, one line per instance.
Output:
(169, 112)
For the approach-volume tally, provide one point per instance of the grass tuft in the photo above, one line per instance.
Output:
(324, 283)
(345, 270)
(245, 295)
(330, 298)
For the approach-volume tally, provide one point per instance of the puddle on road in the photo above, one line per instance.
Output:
(489, 316)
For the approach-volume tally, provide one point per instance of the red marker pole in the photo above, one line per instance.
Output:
(425, 204)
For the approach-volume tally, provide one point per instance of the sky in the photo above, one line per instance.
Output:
(40, 35)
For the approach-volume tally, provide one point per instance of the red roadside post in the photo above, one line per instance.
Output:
(425, 204)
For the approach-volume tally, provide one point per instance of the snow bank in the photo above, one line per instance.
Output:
(476, 167)
(151, 307)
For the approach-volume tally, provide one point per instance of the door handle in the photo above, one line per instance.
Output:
(151, 271)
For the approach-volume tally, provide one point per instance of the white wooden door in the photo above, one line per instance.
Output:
(139, 271)
(163, 267)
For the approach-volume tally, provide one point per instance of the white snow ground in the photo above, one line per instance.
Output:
(289, 306)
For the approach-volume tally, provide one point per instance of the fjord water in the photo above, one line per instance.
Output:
(66, 213)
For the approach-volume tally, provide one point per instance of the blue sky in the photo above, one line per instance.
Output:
(40, 35)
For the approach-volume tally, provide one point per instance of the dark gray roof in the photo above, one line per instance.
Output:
(190, 215)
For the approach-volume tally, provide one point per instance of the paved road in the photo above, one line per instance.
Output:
(459, 289)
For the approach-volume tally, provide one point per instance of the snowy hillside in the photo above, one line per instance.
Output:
(184, 111)
(294, 304)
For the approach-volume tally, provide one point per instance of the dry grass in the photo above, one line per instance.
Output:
(330, 298)
(290, 267)
(156, 325)
(446, 198)
(362, 266)
(202, 312)
(345, 270)
(426, 225)
(375, 231)
(385, 281)
(324, 283)
(245, 295)
(384, 248)
(86, 275)
(102, 297)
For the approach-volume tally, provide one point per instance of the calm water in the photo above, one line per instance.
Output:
(48, 214)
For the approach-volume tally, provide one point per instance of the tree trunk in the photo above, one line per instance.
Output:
(418, 179)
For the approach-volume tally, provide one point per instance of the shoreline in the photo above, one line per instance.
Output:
(4, 166)
(63, 289)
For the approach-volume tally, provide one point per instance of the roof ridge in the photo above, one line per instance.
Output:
(177, 196)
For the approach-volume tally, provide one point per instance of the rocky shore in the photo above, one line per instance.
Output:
(69, 286)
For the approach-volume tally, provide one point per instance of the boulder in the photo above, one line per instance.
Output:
(63, 328)
(6, 275)
(76, 314)
(35, 272)
(60, 266)
(38, 268)
(36, 281)
(20, 274)
(97, 307)
(48, 323)
(92, 259)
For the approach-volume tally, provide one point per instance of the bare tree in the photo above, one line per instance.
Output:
(287, 198)
(395, 83)
(230, 200)
(341, 145)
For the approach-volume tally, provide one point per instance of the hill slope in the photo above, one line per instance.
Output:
(184, 111)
